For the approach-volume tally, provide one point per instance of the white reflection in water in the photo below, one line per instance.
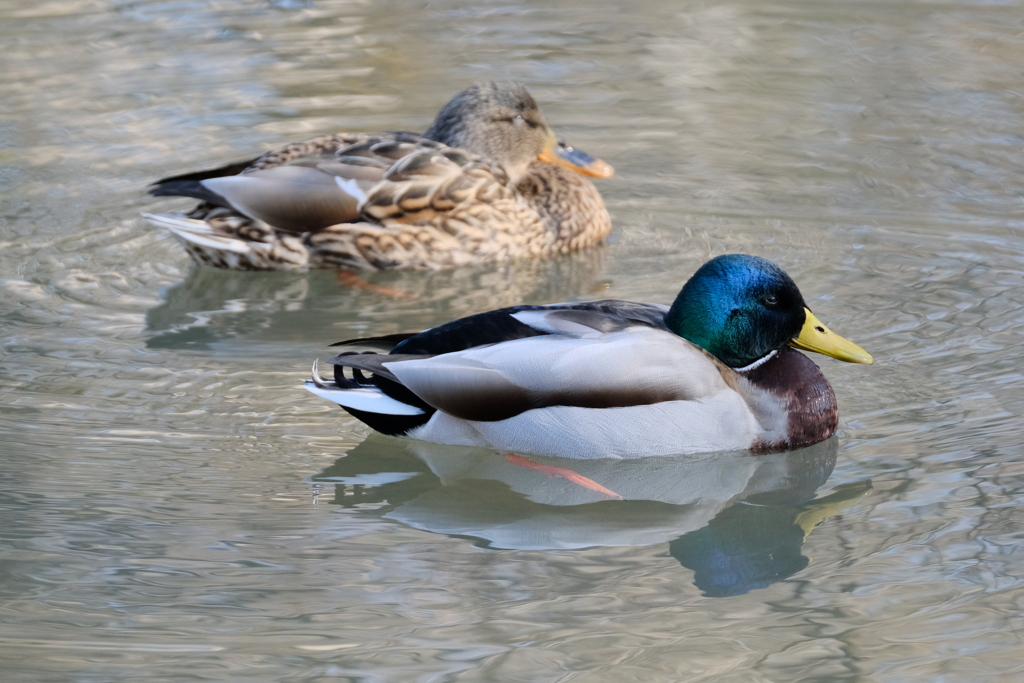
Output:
(738, 521)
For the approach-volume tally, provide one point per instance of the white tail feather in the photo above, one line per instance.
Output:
(369, 399)
(202, 234)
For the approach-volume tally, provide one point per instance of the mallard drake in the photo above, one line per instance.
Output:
(487, 181)
(610, 379)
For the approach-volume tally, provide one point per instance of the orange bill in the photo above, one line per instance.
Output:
(562, 154)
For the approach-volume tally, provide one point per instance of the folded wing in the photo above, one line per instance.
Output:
(637, 365)
(306, 187)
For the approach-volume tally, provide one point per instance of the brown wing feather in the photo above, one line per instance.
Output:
(293, 188)
(427, 206)
(314, 147)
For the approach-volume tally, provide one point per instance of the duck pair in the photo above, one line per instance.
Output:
(717, 370)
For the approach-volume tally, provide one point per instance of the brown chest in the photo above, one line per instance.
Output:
(795, 400)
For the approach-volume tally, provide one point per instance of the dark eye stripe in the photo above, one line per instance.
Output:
(512, 120)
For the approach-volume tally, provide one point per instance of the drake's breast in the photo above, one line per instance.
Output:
(794, 402)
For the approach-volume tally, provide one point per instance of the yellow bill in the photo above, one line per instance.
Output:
(562, 155)
(816, 337)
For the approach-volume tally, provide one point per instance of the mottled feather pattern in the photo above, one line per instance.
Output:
(470, 215)
(468, 176)
(437, 207)
(385, 240)
(321, 145)
(224, 239)
(571, 208)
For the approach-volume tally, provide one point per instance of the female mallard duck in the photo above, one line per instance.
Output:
(610, 379)
(486, 182)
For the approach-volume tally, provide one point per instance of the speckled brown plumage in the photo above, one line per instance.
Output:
(426, 205)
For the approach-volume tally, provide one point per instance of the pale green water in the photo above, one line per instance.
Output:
(175, 507)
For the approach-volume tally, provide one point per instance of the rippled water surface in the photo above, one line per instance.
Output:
(175, 507)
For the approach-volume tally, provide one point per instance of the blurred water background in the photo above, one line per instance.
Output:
(175, 507)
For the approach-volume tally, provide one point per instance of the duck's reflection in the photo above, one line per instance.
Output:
(736, 520)
(212, 305)
(758, 540)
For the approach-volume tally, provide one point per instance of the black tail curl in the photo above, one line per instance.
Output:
(360, 363)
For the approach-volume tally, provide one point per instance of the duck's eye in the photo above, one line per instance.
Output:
(770, 300)
(519, 121)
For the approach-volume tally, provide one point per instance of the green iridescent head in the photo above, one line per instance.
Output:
(739, 308)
